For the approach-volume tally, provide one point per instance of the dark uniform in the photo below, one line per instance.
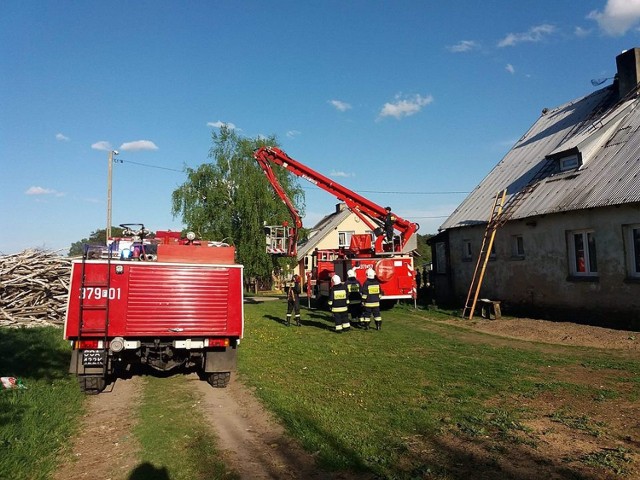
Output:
(355, 300)
(389, 221)
(371, 292)
(339, 302)
(293, 301)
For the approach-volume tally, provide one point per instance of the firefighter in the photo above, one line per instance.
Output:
(339, 304)
(389, 220)
(371, 292)
(355, 298)
(293, 300)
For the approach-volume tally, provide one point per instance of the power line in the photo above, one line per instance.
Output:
(401, 193)
(119, 160)
(147, 165)
(414, 193)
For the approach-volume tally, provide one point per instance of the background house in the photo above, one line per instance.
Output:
(332, 231)
(571, 245)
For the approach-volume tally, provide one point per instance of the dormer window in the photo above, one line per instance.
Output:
(569, 162)
(566, 160)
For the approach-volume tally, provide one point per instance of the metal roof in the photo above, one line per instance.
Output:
(322, 229)
(603, 131)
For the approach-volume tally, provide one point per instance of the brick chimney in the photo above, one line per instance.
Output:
(628, 63)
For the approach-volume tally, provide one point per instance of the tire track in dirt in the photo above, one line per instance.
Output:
(105, 447)
(251, 441)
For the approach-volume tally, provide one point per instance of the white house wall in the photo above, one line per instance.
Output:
(542, 278)
(351, 223)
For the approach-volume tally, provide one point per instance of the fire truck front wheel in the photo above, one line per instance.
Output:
(219, 379)
(91, 384)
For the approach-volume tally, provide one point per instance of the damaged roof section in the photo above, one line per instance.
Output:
(582, 154)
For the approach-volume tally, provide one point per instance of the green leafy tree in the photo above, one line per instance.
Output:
(424, 250)
(97, 237)
(230, 198)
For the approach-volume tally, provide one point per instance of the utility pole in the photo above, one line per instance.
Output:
(109, 177)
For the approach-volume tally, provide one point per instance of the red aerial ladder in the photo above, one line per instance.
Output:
(372, 214)
(388, 257)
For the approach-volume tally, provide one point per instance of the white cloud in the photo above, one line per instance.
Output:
(405, 107)
(220, 123)
(581, 32)
(43, 191)
(509, 68)
(339, 173)
(138, 145)
(535, 34)
(340, 105)
(293, 133)
(463, 46)
(102, 145)
(62, 138)
(618, 16)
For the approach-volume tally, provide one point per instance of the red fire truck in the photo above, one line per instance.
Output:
(172, 306)
(389, 254)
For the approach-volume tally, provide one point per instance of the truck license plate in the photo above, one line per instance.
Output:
(93, 358)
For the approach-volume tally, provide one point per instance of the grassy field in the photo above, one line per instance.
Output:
(384, 402)
(36, 422)
(420, 399)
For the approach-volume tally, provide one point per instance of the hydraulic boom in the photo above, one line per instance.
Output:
(372, 214)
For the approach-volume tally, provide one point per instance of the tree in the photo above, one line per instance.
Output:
(230, 198)
(424, 250)
(97, 237)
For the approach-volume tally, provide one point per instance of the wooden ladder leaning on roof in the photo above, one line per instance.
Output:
(501, 212)
(485, 253)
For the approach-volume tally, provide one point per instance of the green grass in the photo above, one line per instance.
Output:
(356, 398)
(363, 400)
(615, 460)
(37, 422)
(578, 422)
(175, 440)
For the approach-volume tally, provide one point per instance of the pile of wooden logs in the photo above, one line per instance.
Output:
(34, 286)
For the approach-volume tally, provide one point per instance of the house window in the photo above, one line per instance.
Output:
(441, 258)
(492, 253)
(344, 239)
(582, 253)
(517, 246)
(632, 249)
(570, 162)
(466, 251)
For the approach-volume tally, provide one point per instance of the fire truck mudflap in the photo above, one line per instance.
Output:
(182, 312)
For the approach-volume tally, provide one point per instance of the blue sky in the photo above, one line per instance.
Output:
(408, 103)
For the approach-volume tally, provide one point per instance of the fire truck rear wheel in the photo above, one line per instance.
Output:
(219, 379)
(92, 385)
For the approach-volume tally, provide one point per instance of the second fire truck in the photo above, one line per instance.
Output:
(388, 255)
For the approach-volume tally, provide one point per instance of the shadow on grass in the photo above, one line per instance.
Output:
(484, 459)
(35, 353)
(305, 322)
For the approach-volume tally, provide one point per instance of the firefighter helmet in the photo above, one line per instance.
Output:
(371, 274)
(335, 280)
(351, 273)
